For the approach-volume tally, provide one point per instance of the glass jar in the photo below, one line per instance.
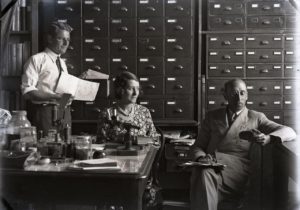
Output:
(83, 147)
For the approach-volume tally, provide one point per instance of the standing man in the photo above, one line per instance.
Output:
(41, 74)
(219, 139)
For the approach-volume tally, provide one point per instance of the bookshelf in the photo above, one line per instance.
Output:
(22, 43)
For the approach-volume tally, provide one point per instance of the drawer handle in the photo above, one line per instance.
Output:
(97, 28)
(70, 66)
(97, 9)
(151, 48)
(152, 9)
(226, 42)
(150, 28)
(179, 8)
(69, 9)
(227, 71)
(266, 22)
(266, 7)
(124, 67)
(152, 110)
(227, 57)
(124, 48)
(228, 8)
(72, 110)
(151, 86)
(263, 89)
(70, 47)
(179, 67)
(123, 28)
(264, 57)
(265, 42)
(96, 67)
(124, 9)
(178, 86)
(264, 71)
(96, 110)
(228, 22)
(178, 47)
(178, 28)
(263, 104)
(178, 110)
(96, 47)
(151, 67)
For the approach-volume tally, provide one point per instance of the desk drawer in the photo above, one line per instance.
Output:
(177, 152)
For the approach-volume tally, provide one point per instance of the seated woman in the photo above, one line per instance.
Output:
(125, 110)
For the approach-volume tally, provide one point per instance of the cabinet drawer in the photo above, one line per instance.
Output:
(150, 8)
(179, 66)
(229, 22)
(150, 27)
(264, 70)
(291, 117)
(290, 55)
(123, 47)
(93, 108)
(226, 56)
(73, 65)
(291, 21)
(226, 8)
(95, 28)
(215, 102)
(264, 56)
(96, 63)
(177, 27)
(215, 87)
(175, 8)
(117, 65)
(265, 8)
(122, 8)
(275, 116)
(123, 27)
(179, 108)
(291, 87)
(264, 102)
(264, 22)
(292, 70)
(153, 85)
(177, 152)
(95, 8)
(225, 70)
(95, 47)
(150, 47)
(290, 102)
(67, 8)
(291, 40)
(226, 41)
(264, 87)
(264, 41)
(178, 47)
(179, 85)
(150, 66)
(155, 106)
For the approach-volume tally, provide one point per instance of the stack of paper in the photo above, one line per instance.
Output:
(102, 164)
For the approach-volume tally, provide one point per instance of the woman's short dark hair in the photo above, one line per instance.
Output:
(56, 25)
(121, 81)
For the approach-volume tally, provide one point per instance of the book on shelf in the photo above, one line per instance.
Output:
(21, 17)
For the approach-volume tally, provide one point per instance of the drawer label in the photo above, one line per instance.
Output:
(277, 53)
(213, 39)
(211, 88)
(277, 67)
(171, 59)
(238, 67)
(171, 102)
(250, 87)
(172, 2)
(171, 40)
(250, 102)
(289, 53)
(172, 21)
(89, 40)
(144, 21)
(277, 38)
(116, 21)
(217, 6)
(212, 67)
(254, 5)
(89, 59)
(288, 87)
(289, 67)
(116, 40)
(213, 53)
(144, 60)
(251, 67)
(287, 102)
(144, 2)
(276, 5)
(116, 2)
(289, 38)
(144, 79)
(171, 79)
(277, 88)
(239, 39)
(117, 60)
(211, 102)
(251, 39)
(89, 2)
(251, 53)
(89, 21)
(239, 53)
(276, 117)
(61, 2)
(144, 102)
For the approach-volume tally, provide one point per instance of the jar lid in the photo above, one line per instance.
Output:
(19, 112)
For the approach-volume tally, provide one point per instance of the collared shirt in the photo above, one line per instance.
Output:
(230, 115)
(41, 72)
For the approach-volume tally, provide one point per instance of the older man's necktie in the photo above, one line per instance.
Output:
(58, 64)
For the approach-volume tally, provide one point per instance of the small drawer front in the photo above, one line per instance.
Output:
(291, 87)
(179, 108)
(275, 116)
(265, 8)
(150, 8)
(175, 8)
(215, 87)
(123, 47)
(95, 8)
(73, 49)
(176, 152)
(122, 8)
(292, 70)
(155, 106)
(74, 23)
(264, 41)
(220, 23)
(67, 8)
(290, 102)
(76, 110)
(150, 47)
(95, 47)
(92, 109)
(226, 70)
(123, 27)
(226, 8)
(96, 63)
(264, 87)
(73, 65)
(263, 22)
(291, 22)
(179, 85)
(291, 117)
(153, 85)
(264, 56)
(178, 47)
(179, 66)
(264, 70)
(117, 65)
(150, 27)
(225, 41)
(291, 55)
(95, 28)
(264, 102)
(226, 56)
(177, 27)
(150, 66)
(291, 40)
(215, 102)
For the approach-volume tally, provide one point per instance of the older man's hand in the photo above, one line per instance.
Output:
(262, 139)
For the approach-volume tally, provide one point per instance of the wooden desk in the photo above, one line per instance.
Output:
(124, 188)
(286, 165)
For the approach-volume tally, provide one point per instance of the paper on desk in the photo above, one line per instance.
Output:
(91, 74)
(101, 162)
(82, 90)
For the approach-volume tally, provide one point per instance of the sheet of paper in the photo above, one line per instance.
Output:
(82, 90)
(91, 74)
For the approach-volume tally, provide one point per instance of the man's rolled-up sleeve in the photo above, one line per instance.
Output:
(30, 76)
